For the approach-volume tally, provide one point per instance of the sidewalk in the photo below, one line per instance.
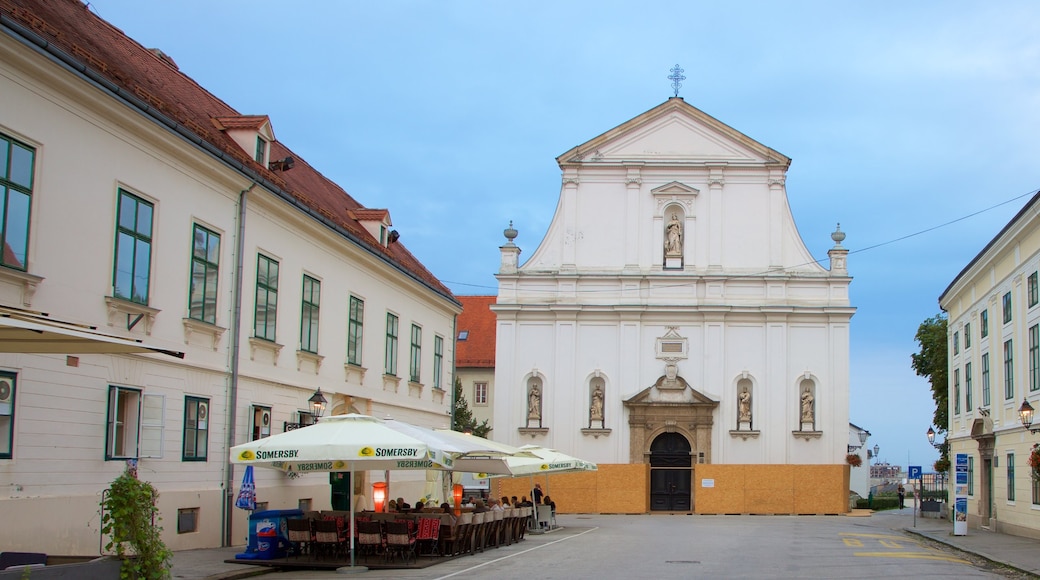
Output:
(1020, 553)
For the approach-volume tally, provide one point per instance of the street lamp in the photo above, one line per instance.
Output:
(931, 436)
(318, 402)
(877, 460)
(1025, 413)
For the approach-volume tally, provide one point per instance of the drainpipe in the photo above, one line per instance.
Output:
(232, 391)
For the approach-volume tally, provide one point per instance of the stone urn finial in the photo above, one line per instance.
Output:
(510, 232)
(838, 236)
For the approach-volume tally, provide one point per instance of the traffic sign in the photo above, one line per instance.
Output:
(915, 472)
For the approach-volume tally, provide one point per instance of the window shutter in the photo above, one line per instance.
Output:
(153, 419)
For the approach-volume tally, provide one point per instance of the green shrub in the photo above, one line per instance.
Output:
(128, 516)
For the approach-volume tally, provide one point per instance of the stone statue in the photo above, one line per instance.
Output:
(534, 404)
(673, 237)
(596, 411)
(807, 406)
(744, 406)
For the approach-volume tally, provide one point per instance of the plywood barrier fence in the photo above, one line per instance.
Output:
(717, 489)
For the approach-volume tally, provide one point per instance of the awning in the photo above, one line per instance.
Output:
(34, 332)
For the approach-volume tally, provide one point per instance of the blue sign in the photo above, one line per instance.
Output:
(915, 472)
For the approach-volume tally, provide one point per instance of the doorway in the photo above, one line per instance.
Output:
(986, 510)
(671, 473)
(341, 490)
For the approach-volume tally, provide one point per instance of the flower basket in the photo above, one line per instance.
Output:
(854, 460)
(1034, 462)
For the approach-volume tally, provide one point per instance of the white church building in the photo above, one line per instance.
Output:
(673, 327)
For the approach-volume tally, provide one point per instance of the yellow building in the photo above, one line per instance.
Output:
(994, 366)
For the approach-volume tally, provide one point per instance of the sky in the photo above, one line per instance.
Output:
(913, 124)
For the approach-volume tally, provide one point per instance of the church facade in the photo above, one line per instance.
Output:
(673, 328)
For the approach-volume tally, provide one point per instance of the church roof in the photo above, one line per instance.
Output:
(150, 81)
(478, 323)
(725, 142)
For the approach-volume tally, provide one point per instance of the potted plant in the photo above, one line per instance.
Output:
(854, 460)
(1034, 462)
(129, 519)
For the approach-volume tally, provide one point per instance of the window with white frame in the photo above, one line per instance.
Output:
(967, 335)
(1007, 307)
(123, 425)
(956, 343)
(480, 393)
(984, 323)
(1034, 292)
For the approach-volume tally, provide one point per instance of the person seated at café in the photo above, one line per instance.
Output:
(446, 509)
(525, 503)
(402, 506)
(505, 502)
(515, 502)
(468, 503)
(418, 507)
(478, 506)
(391, 506)
(549, 502)
(495, 506)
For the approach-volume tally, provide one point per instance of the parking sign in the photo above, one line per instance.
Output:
(915, 472)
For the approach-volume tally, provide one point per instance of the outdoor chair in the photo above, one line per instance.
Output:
(299, 532)
(480, 524)
(369, 539)
(463, 535)
(399, 541)
(326, 538)
(428, 534)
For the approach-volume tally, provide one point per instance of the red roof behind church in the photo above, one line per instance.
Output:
(478, 322)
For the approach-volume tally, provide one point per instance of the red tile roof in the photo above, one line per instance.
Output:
(362, 214)
(71, 28)
(477, 319)
(240, 122)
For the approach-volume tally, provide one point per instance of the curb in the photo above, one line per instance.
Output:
(236, 574)
(982, 555)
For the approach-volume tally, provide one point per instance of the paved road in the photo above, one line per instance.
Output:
(607, 547)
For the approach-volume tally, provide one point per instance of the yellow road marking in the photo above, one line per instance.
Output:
(911, 555)
(885, 536)
(890, 544)
(853, 542)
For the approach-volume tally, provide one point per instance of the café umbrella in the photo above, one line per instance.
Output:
(343, 443)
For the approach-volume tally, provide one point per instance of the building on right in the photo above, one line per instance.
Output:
(994, 375)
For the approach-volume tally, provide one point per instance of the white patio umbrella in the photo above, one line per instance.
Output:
(546, 462)
(343, 443)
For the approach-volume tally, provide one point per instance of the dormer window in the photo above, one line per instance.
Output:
(261, 150)
(382, 235)
(376, 222)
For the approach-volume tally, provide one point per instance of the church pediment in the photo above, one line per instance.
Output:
(667, 391)
(673, 131)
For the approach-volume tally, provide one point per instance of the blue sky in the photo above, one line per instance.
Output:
(898, 116)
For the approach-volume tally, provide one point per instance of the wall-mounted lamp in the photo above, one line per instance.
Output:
(394, 236)
(318, 402)
(1025, 413)
(282, 164)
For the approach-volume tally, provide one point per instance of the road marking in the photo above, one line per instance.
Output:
(879, 536)
(471, 568)
(911, 555)
(853, 542)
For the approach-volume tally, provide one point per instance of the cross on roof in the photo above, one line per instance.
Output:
(676, 77)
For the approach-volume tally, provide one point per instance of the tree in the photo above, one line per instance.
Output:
(931, 362)
(463, 418)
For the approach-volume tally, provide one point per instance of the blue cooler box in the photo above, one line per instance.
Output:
(268, 534)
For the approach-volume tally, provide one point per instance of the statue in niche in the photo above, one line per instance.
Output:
(534, 404)
(596, 410)
(673, 237)
(744, 406)
(808, 416)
